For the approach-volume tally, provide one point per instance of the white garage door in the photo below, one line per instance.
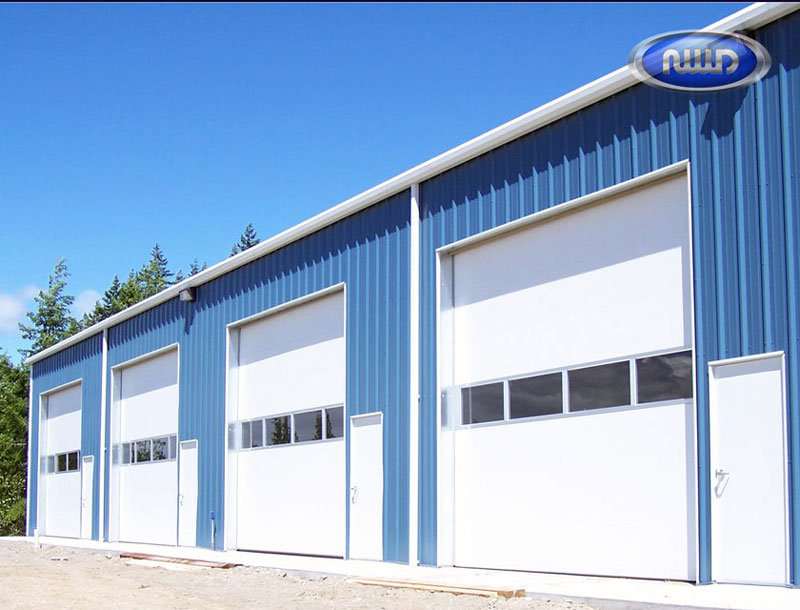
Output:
(148, 474)
(572, 377)
(291, 462)
(61, 436)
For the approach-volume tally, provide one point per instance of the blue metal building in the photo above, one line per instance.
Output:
(407, 247)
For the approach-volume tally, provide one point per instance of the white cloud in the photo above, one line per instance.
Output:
(85, 302)
(13, 306)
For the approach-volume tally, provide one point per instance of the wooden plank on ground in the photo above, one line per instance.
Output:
(444, 587)
(182, 560)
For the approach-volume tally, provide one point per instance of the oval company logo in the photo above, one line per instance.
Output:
(699, 61)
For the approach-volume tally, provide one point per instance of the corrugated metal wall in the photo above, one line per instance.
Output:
(81, 361)
(369, 251)
(744, 149)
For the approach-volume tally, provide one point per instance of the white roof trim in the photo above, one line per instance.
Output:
(751, 17)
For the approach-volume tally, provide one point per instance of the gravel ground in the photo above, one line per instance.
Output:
(55, 577)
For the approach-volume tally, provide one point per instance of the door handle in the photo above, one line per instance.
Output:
(180, 499)
(722, 482)
(353, 493)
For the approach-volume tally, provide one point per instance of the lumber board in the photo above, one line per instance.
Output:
(444, 587)
(182, 560)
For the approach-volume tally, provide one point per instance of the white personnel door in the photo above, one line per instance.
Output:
(366, 487)
(749, 528)
(87, 496)
(187, 496)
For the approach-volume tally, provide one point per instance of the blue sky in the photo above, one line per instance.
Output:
(126, 125)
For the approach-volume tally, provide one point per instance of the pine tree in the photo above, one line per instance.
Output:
(51, 322)
(13, 446)
(131, 291)
(155, 275)
(195, 267)
(107, 306)
(247, 240)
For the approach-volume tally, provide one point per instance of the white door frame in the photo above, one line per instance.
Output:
(187, 445)
(353, 421)
(784, 446)
(87, 459)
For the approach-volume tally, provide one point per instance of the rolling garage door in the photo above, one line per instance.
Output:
(148, 431)
(61, 461)
(290, 464)
(572, 376)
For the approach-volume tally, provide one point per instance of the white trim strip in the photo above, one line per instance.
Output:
(103, 449)
(63, 386)
(742, 359)
(750, 17)
(287, 305)
(31, 471)
(360, 416)
(567, 206)
(155, 353)
(414, 392)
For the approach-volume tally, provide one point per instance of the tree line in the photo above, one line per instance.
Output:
(52, 321)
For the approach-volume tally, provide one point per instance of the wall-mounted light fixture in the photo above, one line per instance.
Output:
(188, 294)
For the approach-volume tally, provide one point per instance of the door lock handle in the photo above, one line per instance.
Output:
(353, 493)
(722, 482)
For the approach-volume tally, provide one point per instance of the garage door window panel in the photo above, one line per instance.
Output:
(482, 403)
(536, 396)
(143, 451)
(160, 449)
(307, 426)
(664, 377)
(334, 422)
(278, 430)
(600, 387)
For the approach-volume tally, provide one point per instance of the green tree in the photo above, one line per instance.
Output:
(52, 321)
(155, 275)
(13, 446)
(195, 267)
(247, 240)
(107, 306)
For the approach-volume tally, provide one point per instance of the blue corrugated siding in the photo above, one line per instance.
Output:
(369, 251)
(82, 361)
(744, 149)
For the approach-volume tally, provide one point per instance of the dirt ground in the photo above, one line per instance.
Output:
(55, 577)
